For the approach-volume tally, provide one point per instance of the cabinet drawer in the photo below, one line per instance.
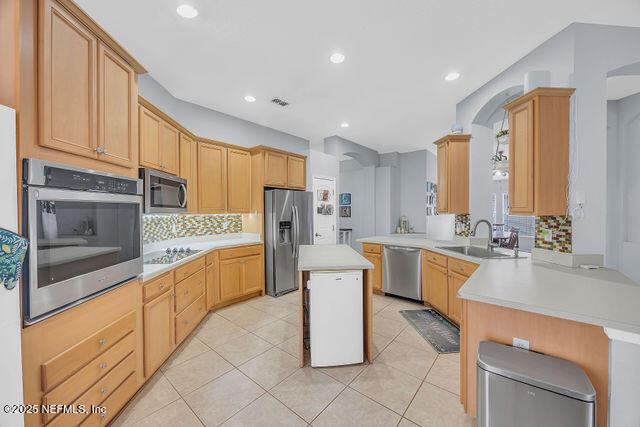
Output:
(240, 252)
(65, 364)
(157, 286)
(189, 290)
(372, 248)
(211, 258)
(435, 258)
(66, 392)
(189, 269)
(462, 267)
(95, 394)
(190, 317)
(114, 403)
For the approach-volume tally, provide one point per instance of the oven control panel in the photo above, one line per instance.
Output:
(77, 180)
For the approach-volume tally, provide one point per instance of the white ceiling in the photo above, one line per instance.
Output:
(391, 86)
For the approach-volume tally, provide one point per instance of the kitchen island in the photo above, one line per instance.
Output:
(560, 311)
(335, 258)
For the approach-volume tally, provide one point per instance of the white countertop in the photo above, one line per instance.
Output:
(205, 244)
(331, 258)
(602, 297)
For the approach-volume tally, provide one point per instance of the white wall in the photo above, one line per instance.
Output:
(211, 124)
(11, 360)
(326, 165)
(360, 182)
(413, 178)
(624, 377)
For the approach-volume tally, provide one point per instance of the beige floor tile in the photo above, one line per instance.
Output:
(411, 337)
(270, 367)
(433, 406)
(291, 346)
(212, 319)
(380, 302)
(403, 304)
(408, 359)
(445, 373)
(220, 334)
(351, 408)
(155, 394)
(196, 372)
(406, 423)
(392, 311)
(276, 332)
(174, 414)
(380, 342)
(239, 350)
(387, 327)
(267, 411)
(189, 349)
(218, 400)
(307, 392)
(248, 317)
(345, 374)
(275, 307)
(291, 298)
(293, 318)
(387, 386)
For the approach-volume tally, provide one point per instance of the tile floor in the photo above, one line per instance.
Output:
(240, 368)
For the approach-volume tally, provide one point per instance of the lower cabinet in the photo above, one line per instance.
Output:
(213, 279)
(435, 280)
(159, 339)
(373, 253)
(241, 272)
(455, 304)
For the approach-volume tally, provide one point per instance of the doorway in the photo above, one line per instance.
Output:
(324, 210)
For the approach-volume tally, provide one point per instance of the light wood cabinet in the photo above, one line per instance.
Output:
(436, 287)
(252, 272)
(539, 152)
(275, 169)
(212, 178)
(117, 115)
(453, 174)
(230, 279)
(213, 280)
(189, 170)
(159, 338)
(454, 310)
(169, 148)
(373, 253)
(239, 181)
(296, 172)
(159, 142)
(241, 272)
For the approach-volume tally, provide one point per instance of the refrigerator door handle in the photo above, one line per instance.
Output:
(293, 232)
(297, 231)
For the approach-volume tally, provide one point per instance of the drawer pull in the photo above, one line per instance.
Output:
(161, 286)
(102, 342)
(103, 391)
(102, 365)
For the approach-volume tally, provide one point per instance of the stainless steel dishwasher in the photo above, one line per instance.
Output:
(522, 388)
(402, 272)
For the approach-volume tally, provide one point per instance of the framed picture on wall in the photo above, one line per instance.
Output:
(345, 199)
(345, 211)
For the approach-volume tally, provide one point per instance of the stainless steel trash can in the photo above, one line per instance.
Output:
(522, 388)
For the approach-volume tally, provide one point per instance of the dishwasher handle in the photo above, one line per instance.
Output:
(402, 248)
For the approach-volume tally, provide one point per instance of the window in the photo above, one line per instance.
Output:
(494, 208)
(526, 224)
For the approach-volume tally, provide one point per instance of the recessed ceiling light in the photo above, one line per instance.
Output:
(452, 76)
(344, 125)
(250, 98)
(187, 11)
(337, 58)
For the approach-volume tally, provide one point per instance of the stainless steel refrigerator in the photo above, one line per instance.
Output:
(288, 223)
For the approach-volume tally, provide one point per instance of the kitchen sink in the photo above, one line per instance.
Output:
(475, 251)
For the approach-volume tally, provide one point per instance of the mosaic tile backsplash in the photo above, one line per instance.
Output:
(463, 225)
(560, 229)
(164, 227)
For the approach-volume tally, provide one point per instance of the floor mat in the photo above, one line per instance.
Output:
(443, 335)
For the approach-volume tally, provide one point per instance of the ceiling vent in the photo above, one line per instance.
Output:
(280, 102)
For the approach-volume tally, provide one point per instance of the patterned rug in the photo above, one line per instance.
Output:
(443, 335)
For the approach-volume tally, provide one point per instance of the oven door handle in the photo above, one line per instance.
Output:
(182, 194)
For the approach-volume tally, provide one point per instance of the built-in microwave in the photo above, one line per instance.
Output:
(85, 235)
(163, 192)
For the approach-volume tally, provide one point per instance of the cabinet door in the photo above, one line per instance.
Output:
(149, 138)
(252, 274)
(521, 159)
(212, 178)
(189, 170)
(458, 178)
(437, 287)
(295, 172)
(213, 282)
(443, 179)
(158, 331)
(117, 94)
(239, 180)
(275, 169)
(169, 148)
(230, 279)
(67, 82)
(376, 260)
(455, 304)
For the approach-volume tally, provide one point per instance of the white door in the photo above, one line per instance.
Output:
(11, 366)
(324, 210)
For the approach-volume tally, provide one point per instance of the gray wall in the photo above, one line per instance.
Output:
(338, 146)
(215, 125)
(360, 182)
(413, 178)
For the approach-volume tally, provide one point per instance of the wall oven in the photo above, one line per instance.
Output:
(84, 229)
(163, 192)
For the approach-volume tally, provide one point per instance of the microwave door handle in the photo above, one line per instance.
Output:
(182, 190)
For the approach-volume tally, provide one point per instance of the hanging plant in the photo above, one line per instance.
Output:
(503, 132)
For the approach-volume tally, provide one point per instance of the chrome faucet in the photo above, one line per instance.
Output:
(490, 244)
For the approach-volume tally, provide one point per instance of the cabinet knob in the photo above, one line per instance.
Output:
(103, 365)
(102, 342)
(161, 286)
(103, 391)
(99, 150)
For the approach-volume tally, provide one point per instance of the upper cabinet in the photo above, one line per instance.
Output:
(275, 169)
(238, 180)
(279, 169)
(212, 178)
(86, 93)
(189, 170)
(539, 152)
(296, 172)
(453, 174)
(159, 142)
